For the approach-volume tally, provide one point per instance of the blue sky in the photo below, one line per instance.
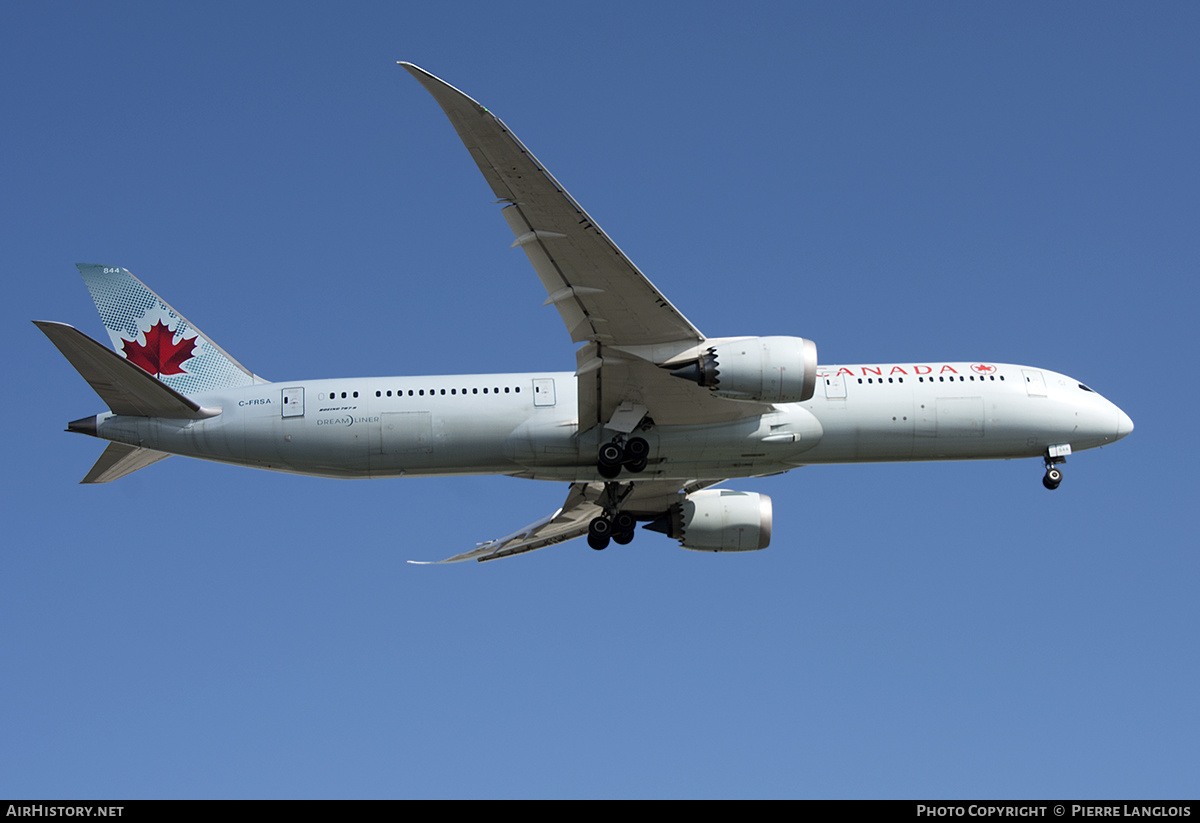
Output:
(899, 182)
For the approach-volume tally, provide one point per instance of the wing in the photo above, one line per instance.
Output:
(630, 328)
(584, 501)
(600, 294)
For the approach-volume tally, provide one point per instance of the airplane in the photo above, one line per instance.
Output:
(655, 416)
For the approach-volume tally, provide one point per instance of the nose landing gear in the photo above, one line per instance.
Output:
(1055, 455)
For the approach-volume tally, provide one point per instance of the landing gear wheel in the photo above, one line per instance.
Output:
(636, 449)
(608, 472)
(599, 533)
(1053, 478)
(623, 525)
(609, 460)
(611, 454)
(638, 465)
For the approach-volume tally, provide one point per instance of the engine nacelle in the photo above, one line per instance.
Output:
(758, 369)
(719, 520)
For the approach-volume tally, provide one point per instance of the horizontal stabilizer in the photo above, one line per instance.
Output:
(126, 388)
(119, 460)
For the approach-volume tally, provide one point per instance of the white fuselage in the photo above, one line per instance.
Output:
(526, 425)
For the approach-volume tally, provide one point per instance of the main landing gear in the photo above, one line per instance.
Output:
(614, 525)
(631, 454)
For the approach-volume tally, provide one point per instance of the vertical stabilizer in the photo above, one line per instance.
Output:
(147, 332)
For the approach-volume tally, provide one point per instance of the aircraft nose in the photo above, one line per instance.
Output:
(1124, 424)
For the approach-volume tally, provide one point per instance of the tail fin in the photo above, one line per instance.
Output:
(146, 331)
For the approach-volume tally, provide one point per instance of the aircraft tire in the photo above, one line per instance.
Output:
(608, 472)
(600, 527)
(636, 449)
(623, 522)
(611, 454)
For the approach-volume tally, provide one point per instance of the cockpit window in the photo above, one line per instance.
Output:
(1085, 388)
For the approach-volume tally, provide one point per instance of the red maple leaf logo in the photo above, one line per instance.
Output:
(160, 355)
